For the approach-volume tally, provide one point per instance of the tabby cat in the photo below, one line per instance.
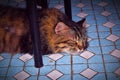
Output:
(58, 32)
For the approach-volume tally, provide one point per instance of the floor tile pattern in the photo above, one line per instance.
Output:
(101, 61)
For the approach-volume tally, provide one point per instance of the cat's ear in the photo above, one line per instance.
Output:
(82, 22)
(61, 28)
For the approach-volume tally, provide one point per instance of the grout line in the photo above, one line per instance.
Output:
(8, 67)
(71, 61)
(116, 9)
(99, 40)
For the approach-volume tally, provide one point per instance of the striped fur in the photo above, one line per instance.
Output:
(58, 33)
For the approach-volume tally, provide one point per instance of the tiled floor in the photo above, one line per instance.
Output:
(101, 61)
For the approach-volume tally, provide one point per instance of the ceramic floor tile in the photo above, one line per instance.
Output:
(100, 76)
(14, 70)
(55, 74)
(59, 6)
(48, 61)
(109, 24)
(88, 73)
(32, 70)
(112, 76)
(104, 34)
(21, 75)
(25, 57)
(103, 4)
(4, 63)
(66, 69)
(87, 54)
(81, 5)
(105, 13)
(105, 42)
(78, 59)
(112, 37)
(117, 71)
(32, 78)
(111, 67)
(1, 58)
(82, 14)
(64, 60)
(46, 69)
(79, 77)
(116, 53)
(16, 62)
(65, 77)
(55, 56)
(77, 68)
(97, 67)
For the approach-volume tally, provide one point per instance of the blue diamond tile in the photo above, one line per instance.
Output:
(91, 29)
(100, 76)
(66, 69)
(104, 34)
(77, 68)
(32, 78)
(14, 70)
(43, 78)
(118, 47)
(109, 59)
(118, 42)
(16, 62)
(65, 77)
(76, 19)
(97, 67)
(107, 49)
(6, 55)
(3, 71)
(46, 69)
(105, 42)
(48, 61)
(94, 42)
(16, 56)
(78, 59)
(4, 63)
(89, 21)
(111, 67)
(95, 59)
(100, 19)
(30, 62)
(103, 28)
(32, 70)
(95, 49)
(10, 78)
(112, 76)
(116, 28)
(79, 77)
(117, 33)
(98, 11)
(92, 34)
(64, 60)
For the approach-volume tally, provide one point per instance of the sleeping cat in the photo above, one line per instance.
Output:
(58, 32)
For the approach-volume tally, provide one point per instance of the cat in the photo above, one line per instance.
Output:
(57, 32)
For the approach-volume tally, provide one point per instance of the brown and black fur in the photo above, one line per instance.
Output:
(15, 33)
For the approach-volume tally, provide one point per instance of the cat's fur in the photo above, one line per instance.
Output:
(58, 32)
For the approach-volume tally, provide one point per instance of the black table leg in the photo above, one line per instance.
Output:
(35, 35)
(67, 4)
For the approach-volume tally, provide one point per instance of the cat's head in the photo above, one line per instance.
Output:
(71, 39)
